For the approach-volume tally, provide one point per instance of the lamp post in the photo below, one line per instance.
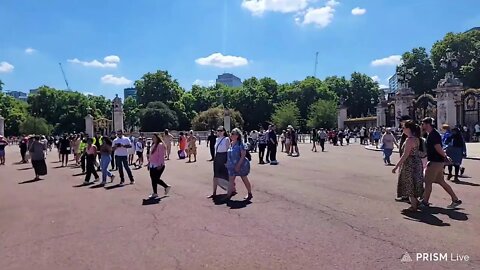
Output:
(113, 116)
(450, 63)
(404, 76)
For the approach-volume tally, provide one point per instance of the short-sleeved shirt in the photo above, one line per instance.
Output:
(121, 151)
(433, 139)
(212, 139)
(3, 144)
(262, 138)
(272, 136)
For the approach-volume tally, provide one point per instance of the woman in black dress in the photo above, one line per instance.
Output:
(220, 173)
(64, 144)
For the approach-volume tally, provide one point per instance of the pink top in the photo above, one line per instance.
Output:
(92, 150)
(157, 157)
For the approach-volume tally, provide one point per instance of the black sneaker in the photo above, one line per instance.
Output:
(462, 170)
(423, 204)
(454, 204)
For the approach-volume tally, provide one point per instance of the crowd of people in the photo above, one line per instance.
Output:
(423, 154)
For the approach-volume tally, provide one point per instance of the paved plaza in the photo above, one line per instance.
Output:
(332, 210)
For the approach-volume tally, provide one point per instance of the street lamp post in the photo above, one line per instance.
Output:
(449, 63)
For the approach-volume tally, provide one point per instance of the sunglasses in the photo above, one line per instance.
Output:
(219, 130)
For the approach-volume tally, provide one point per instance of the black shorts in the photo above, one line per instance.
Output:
(139, 154)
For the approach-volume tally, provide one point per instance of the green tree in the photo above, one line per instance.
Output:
(213, 118)
(322, 114)
(158, 86)
(466, 47)
(1, 85)
(101, 106)
(339, 85)
(157, 116)
(363, 90)
(14, 112)
(286, 113)
(130, 107)
(35, 125)
(419, 61)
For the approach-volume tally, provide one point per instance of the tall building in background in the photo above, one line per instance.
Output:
(129, 92)
(17, 95)
(33, 91)
(393, 83)
(229, 79)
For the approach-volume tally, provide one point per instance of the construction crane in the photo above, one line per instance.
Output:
(64, 77)
(316, 64)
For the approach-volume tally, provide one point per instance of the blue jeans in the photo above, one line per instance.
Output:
(104, 162)
(386, 155)
(122, 162)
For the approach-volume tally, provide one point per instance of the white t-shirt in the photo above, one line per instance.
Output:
(477, 128)
(121, 151)
(222, 145)
(254, 135)
(139, 146)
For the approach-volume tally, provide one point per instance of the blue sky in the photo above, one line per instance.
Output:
(104, 46)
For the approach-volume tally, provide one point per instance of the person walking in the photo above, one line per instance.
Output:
(322, 137)
(37, 155)
(272, 145)
(211, 141)
(410, 178)
(262, 145)
(156, 166)
(238, 164)
(106, 156)
(91, 158)
(283, 137)
(403, 119)
(120, 146)
(182, 145)
(3, 144)
(220, 173)
(387, 142)
(456, 149)
(314, 140)
(64, 149)
(192, 147)
(23, 148)
(167, 140)
(436, 157)
(139, 146)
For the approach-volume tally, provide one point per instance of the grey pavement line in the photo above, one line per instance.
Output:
(371, 148)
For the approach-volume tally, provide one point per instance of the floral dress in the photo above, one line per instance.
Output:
(233, 156)
(410, 178)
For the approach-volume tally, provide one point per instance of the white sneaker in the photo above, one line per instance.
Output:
(153, 196)
(85, 182)
(96, 180)
(167, 189)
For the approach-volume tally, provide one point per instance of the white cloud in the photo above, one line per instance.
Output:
(30, 50)
(222, 61)
(383, 86)
(358, 11)
(204, 83)
(110, 79)
(375, 78)
(110, 61)
(392, 60)
(88, 93)
(332, 3)
(6, 67)
(320, 17)
(258, 7)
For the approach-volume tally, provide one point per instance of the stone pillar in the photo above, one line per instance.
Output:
(89, 125)
(448, 96)
(341, 116)
(227, 120)
(381, 117)
(403, 101)
(117, 114)
(2, 126)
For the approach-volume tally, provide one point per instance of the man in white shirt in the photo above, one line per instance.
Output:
(121, 144)
(254, 136)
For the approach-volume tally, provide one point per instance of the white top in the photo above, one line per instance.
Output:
(477, 128)
(139, 147)
(121, 151)
(254, 135)
(223, 146)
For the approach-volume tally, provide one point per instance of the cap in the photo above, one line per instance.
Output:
(405, 118)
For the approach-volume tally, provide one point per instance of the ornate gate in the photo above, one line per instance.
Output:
(424, 106)
(471, 107)
(390, 114)
(102, 126)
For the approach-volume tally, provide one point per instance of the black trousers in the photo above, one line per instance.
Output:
(112, 163)
(91, 167)
(322, 144)
(272, 150)
(82, 161)
(23, 153)
(457, 169)
(212, 150)
(261, 151)
(268, 153)
(155, 175)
